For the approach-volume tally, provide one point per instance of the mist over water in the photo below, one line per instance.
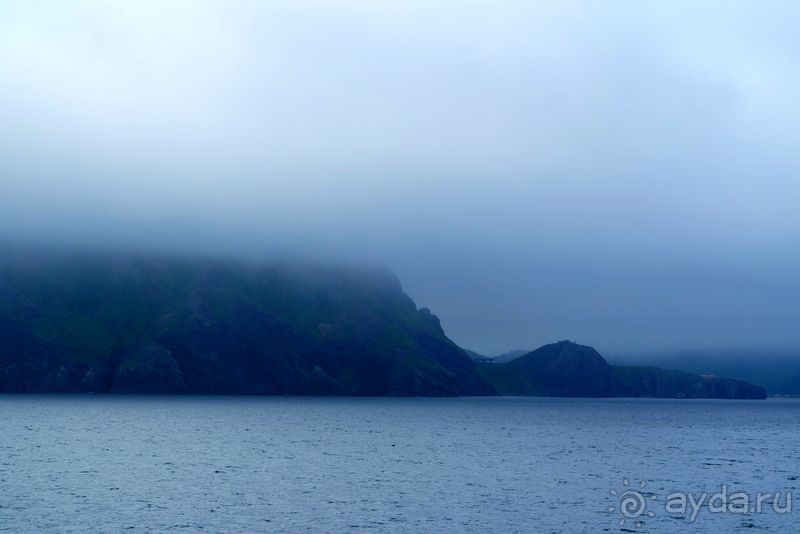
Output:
(623, 175)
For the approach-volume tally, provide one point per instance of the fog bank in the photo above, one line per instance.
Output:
(623, 174)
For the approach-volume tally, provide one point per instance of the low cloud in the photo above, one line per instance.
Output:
(623, 174)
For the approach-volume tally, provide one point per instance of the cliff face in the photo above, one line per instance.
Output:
(154, 325)
(567, 369)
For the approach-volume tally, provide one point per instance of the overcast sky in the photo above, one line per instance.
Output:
(624, 174)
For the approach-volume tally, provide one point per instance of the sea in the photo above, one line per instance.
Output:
(95, 463)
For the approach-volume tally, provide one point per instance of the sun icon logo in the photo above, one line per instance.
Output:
(632, 504)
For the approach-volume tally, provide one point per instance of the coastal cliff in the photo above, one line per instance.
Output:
(143, 324)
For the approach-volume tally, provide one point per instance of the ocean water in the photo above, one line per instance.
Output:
(266, 464)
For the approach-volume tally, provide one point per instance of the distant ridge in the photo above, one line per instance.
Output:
(567, 369)
(776, 370)
(501, 358)
(510, 355)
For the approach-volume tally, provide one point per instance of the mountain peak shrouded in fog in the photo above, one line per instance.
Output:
(102, 323)
(621, 173)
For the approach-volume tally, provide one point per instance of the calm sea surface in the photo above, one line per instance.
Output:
(236, 464)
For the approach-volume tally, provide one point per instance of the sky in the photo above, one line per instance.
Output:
(625, 174)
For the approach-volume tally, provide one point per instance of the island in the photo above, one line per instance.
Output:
(136, 323)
